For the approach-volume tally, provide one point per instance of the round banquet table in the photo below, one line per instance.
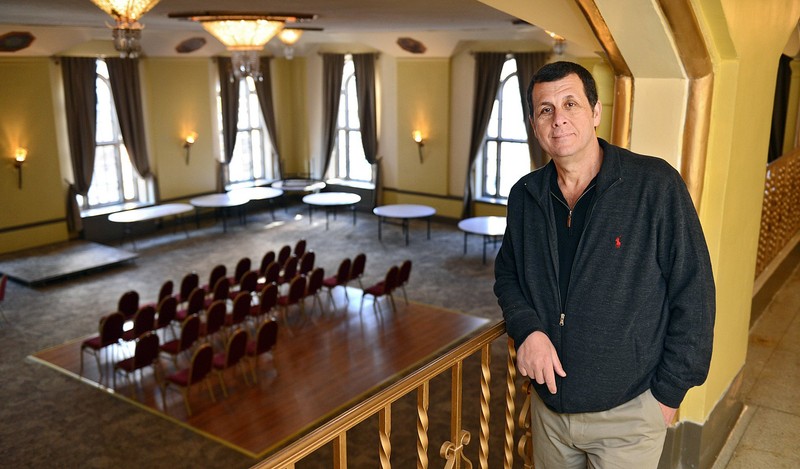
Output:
(222, 202)
(331, 201)
(404, 213)
(490, 228)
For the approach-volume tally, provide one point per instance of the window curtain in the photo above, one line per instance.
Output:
(488, 66)
(780, 106)
(80, 95)
(264, 92)
(332, 66)
(229, 98)
(365, 91)
(527, 64)
(124, 77)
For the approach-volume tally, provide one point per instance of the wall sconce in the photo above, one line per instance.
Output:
(417, 136)
(19, 159)
(188, 141)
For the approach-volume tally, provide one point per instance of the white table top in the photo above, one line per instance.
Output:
(256, 193)
(332, 198)
(404, 211)
(299, 185)
(219, 200)
(149, 213)
(488, 226)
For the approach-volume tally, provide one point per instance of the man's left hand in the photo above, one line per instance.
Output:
(668, 413)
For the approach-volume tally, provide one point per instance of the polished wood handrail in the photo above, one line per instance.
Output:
(335, 429)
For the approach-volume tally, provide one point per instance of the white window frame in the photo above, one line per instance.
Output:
(348, 161)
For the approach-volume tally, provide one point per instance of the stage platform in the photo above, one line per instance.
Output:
(55, 262)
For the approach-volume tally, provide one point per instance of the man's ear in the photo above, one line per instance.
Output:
(533, 126)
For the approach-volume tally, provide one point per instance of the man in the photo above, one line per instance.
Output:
(605, 284)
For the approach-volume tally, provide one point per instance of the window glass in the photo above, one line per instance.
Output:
(253, 156)
(349, 161)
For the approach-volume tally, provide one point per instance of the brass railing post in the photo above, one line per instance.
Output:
(511, 394)
(385, 423)
(423, 402)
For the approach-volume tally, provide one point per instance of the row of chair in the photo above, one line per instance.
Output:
(396, 277)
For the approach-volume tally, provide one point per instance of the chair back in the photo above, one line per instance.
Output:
(219, 271)
(189, 282)
(404, 272)
(268, 258)
(167, 309)
(300, 248)
(3, 282)
(221, 289)
(196, 302)
(359, 264)
(343, 274)
(307, 262)
(315, 281)
(266, 337)
(283, 254)
(201, 364)
(190, 332)
(289, 270)
(146, 352)
(128, 303)
(390, 281)
(144, 321)
(249, 281)
(110, 328)
(268, 299)
(215, 317)
(272, 273)
(241, 308)
(297, 290)
(166, 290)
(242, 267)
(236, 348)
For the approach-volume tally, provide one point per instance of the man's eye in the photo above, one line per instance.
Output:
(546, 110)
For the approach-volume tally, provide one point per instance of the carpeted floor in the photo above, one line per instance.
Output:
(52, 420)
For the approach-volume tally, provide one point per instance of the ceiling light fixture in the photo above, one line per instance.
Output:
(289, 37)
(127, 32)
(244, 34)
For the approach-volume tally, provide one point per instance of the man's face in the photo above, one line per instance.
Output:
(563, 120)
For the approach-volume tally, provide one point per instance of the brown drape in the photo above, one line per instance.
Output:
(332, 66)
(79, 76)
(488, 66)
(124, 77)
(365, 91)
(229, 98)
(264, 92)
(527, 64)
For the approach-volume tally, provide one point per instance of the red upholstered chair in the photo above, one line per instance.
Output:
(110, 333)
(235, 350)
(190, 332)
(194, 305)
(198, 371)
(242, 267)
(166, 290)
(403, 275)
(128, 303)
(266, 338)
(271, 276)
(383, 288)
(299, 248)
(143, 321)
(3, 283)
(145, 354)
(248, 283)
(267, 300)
(217, 272)
(189, 282)
(357, 269)
(268, 258)
(166, 309)
(295, 296)
(314, 285)
(215, 320)
(289, 271)
(341, 278)
(240, 310)
(221, 291)
(307, 263)
(283, 254)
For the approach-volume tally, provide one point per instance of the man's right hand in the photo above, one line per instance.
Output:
(537, 359)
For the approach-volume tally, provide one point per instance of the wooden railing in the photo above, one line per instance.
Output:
(516, 425)
(780, 214)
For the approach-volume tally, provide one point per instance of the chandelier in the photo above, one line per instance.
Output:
(244, 35)
(127, 31)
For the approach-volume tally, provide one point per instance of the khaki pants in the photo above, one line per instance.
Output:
(628, 436)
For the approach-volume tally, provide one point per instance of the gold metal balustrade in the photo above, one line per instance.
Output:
(453, 451)
(780, 214)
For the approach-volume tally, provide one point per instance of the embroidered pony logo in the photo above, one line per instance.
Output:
(618, 242)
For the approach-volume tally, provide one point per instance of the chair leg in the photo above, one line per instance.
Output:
(222, 383)
(185, 393)
(405, 296)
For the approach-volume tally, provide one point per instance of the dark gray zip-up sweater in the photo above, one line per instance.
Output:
(640, 306)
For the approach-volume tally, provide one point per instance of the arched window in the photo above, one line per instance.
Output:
(504, 156)
(114, 180)
(349, 162)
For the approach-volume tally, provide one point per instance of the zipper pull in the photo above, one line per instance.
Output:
(561, 320)
(569, 219)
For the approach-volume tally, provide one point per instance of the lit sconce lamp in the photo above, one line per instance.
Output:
(417, 136)
(19, 159)
(559, 43)
(188, 141)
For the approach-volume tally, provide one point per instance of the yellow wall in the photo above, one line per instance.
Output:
(26, 120)
(288, 85)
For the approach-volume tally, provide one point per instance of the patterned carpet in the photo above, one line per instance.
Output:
(52, 420)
